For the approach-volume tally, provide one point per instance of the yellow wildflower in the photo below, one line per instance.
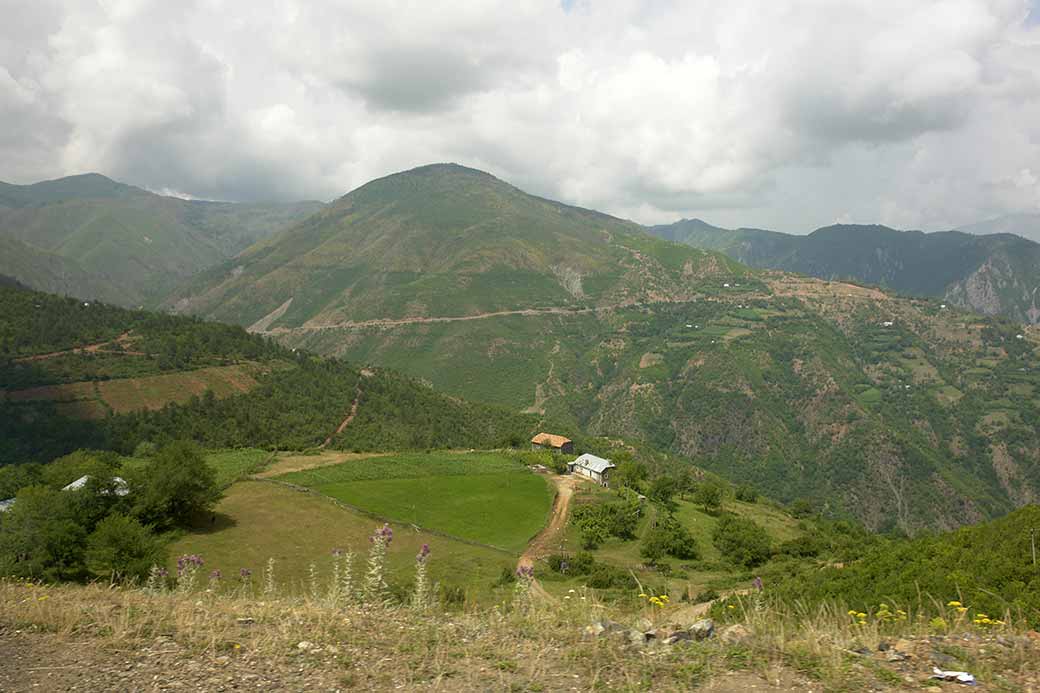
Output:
(953, 604)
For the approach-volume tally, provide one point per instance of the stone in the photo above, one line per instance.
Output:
(884, 646)
(636, 638)
(703, 629)
(897, 656)
(304, 646)
(643, 624)
(678, 636)
(735, 634)
(245, 621)
(944, 661)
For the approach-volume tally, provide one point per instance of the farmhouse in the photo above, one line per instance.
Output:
(548, 441)
(119, 487)
(595, 468)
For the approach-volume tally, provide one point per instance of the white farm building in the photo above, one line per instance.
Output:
(595, 468)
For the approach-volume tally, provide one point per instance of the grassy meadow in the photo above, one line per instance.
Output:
(257, 521)
(484, 497)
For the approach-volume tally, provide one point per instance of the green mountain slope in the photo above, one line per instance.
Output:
(56, 274)
(115, 235)
(443, 241)
(992, 274)
(896, 411)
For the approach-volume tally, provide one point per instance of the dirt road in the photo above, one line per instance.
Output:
(550, 539)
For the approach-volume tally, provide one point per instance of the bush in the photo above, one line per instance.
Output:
(670, 538)
(742, 541)
(122, 548)
(174, 485)
(41, 537)
(709, 495)
(801, 547)
(746, 494)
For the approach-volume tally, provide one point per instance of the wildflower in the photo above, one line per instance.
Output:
(757, 582)
(730, 606)
(245, 573)
(215, 575)
(337, 552)
(953, 603)
(961, 609)
(642, 595)
(423, 553)
(852, 612)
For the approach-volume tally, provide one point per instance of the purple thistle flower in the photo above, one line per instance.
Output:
(245, 573)
(525, 572)
(215, 575)
(758, 583)
(423, 553)
(163, 572)
(337, 552)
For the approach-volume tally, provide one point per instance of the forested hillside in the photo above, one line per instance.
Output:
(83, 374)
(94, 238)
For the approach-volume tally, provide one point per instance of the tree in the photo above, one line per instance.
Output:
(175, 484)
(741, 541)
(671, 538)
(662, 489)
(15, 477)
(122, 548)
(709, 495)
(746, 493)
(67, 469)
(40, 536)
(629, 474)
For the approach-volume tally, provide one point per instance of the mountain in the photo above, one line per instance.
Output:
(443, 241)
(896, 411)
(1025, 225)
(95, 238)
(992, 274)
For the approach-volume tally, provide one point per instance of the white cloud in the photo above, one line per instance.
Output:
(788, 114)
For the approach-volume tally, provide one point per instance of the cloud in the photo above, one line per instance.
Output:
(786, 114)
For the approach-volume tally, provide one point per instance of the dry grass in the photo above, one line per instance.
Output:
(543, 648)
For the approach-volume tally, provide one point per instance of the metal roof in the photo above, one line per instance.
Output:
(593, 463)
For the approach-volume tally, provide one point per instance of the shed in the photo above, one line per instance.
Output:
(595, 468)
(550, 441)
(119, 483)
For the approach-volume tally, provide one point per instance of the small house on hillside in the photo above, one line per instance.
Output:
(119, 488)
(595, 468)
(548, 441)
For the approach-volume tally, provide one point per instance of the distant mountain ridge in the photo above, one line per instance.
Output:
(991, 274)
(92, 237)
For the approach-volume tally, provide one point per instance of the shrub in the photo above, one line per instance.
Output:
(670, 538)
(741, 541)
(174, 485)
(709, 495)
(120, 547)
(746, 494)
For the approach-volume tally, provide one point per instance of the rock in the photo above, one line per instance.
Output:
(703, 629)
(1033, 635)
(884, 646)
(246, 621)
(304, 646)
(897, 656)
(604, 626)
(735, 634)
(944, 661)
(636, 638)
(906, 646)
(678, 636)
(643, 624)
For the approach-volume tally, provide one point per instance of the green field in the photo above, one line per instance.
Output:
(257, 521)
(483, 497)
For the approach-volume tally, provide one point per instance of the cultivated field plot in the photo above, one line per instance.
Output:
(92, 400)
(484, 497)
(258, 521)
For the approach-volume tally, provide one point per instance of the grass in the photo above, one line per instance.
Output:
(258, 520)
(211, 637)
(230, 465)
(483, 497)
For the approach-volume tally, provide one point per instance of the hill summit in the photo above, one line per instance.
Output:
(443, 240)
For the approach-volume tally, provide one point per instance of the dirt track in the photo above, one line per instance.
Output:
(549, 539)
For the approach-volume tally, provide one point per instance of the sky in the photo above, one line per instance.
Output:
(782, 114)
